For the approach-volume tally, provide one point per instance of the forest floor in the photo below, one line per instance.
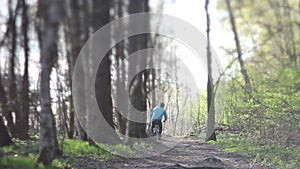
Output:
(188, 153)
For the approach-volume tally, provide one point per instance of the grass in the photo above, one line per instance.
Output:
(275, 156)
(24, 154)
(19, 162)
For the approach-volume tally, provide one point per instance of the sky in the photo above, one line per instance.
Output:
(193, 12)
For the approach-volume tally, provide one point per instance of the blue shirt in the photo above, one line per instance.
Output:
(158, 113)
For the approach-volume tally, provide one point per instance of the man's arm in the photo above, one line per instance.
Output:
(151, 114)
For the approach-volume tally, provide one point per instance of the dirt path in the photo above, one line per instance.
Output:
(189, 153)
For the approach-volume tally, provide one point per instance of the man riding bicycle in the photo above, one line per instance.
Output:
(156, 117)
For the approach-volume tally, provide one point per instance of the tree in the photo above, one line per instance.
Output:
(4, 135)
(210, 133)
(137, 87)
(12, 89)
(23, 127)
(50, 15)
(74, 26)
(101, 17)
(266, 33)
(121, 99)
(238, 47)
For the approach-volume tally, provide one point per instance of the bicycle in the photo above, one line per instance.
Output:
(155, 132)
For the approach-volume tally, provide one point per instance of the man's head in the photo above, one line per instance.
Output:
(162, 104)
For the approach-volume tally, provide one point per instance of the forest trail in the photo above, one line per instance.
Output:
(190, 153)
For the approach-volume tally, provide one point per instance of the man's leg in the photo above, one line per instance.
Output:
(160, 129)
(152, 126)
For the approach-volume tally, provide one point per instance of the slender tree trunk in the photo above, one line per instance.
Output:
(4, 135)
(238, 47)
(137, 88)
(77, 24)
(50, 14)
(177, 96)
(210, 132)
(4, 106)
(121, 99)
(101, 17)
(12, 90)
(74, 49)
(24, 113)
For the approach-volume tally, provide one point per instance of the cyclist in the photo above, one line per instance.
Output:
(156, 117)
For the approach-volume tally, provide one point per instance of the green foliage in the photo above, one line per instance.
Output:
(199, 112)
(273, 155)
(143, 145)
(24, 153)
(270, 110)
(18, 162)
(77, 147)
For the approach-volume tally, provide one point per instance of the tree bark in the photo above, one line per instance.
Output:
(210, 133)
(77, 12)
(4, 106)
(238, 47)
(24, 112)
(101, 16)
(72, 52)
(137, 87)
(12, 89)
(4, 135)
(50, 14)
(121, 100)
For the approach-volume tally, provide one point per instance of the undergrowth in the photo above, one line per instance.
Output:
(272, 155)
(23, 154)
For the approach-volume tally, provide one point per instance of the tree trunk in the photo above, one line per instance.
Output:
(238, 47)
(4, 106)
(210, 131)
(137, 87)
(4, 135)
(24, 112)
(77, 25)
(121, 99)
(177, 95)
(50, 14)
(101, 17)
(73, 52)
(12, 89)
